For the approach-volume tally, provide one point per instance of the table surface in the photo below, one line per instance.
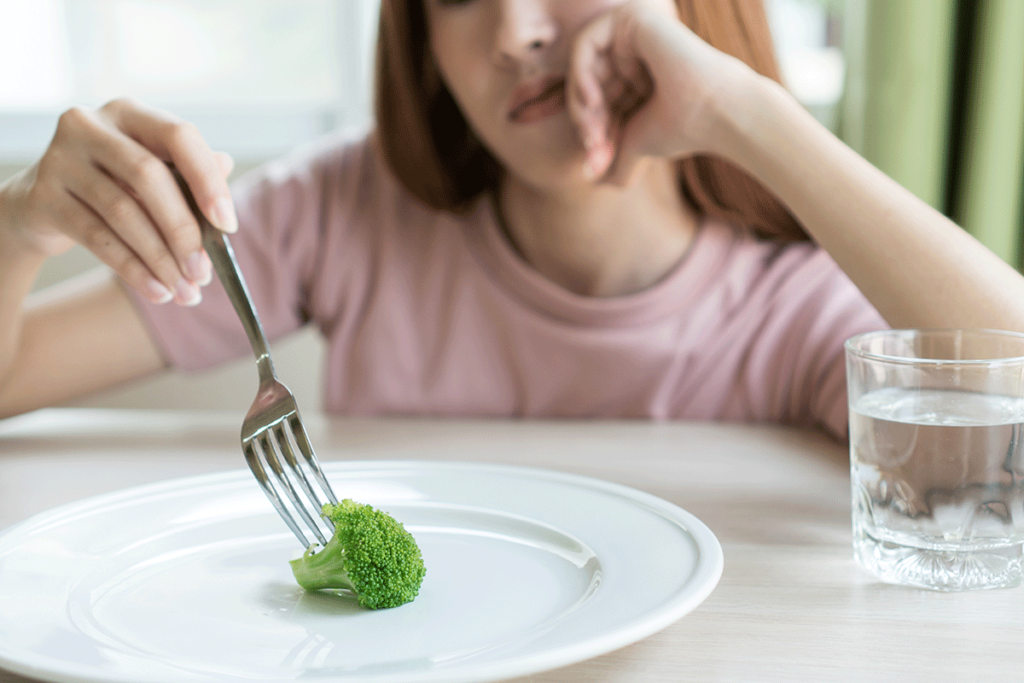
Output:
(791, 605)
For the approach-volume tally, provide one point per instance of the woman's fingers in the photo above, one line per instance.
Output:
(225, 163)
(630, 150)
(91, 231)
(146, 207)
(180, 143)
(137, 160)
(124, 223)
(112, 163)
(586, 97)
(129, 188)
(607, 85)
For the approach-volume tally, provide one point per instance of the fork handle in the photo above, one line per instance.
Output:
(222, 256)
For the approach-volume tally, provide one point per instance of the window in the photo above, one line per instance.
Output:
(808, 38)
(257, 76)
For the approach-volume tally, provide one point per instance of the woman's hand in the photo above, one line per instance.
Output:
(104, 183)
(641, 84)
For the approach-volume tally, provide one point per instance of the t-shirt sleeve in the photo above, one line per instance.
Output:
(823, 376)
(801, 350)
(281, 219)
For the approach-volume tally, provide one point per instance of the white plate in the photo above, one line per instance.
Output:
(189, 580)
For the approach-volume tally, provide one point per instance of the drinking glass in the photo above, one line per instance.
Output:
(937, 457)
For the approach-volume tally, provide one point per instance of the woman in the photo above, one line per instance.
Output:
(559, 214)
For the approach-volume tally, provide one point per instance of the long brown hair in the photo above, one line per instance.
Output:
(434, 153)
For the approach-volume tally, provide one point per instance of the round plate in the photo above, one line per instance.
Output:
(188, 580)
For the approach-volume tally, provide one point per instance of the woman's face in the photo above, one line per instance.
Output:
(505, 62)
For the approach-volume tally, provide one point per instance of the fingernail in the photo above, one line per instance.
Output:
(157, 292)
(199, 269)
(186, 293)
(224, 215)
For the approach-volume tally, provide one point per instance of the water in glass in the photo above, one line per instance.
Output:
(938, 487)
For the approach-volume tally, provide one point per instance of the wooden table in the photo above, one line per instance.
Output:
(791, 606)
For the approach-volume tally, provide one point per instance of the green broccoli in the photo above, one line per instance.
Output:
(371, 554)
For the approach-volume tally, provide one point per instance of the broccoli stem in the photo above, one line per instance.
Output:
(314, 571)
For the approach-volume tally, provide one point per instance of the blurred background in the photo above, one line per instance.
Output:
(930, 91)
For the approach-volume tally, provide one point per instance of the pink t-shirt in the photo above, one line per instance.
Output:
(430, 313)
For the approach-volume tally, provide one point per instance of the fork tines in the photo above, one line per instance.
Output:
(288, 484)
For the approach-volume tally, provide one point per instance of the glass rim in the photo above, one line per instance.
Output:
(850, 346)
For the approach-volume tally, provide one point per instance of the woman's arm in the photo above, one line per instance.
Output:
(73, 340)
(915, 266)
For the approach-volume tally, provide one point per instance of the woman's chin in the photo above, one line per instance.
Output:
(559, 173)
(566, 181)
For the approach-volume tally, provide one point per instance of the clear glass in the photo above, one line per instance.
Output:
(936, 456)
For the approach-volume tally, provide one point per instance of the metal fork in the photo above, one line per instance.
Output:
(272, 426)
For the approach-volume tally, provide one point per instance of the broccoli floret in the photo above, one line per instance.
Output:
(370, 554)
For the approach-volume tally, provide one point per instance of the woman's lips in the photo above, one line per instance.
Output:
(535, 102)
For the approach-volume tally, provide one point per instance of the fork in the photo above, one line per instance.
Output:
(273, 425)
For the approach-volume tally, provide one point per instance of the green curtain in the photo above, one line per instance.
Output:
(935, 98)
